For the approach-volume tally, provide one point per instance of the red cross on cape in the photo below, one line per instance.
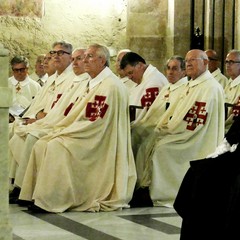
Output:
(197, 115)
(149, 97)
(96, 109)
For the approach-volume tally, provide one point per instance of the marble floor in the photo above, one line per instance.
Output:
(155, 223)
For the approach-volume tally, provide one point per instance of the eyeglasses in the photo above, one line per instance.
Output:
(59, 52)
(192, 60)
(212, 59)
(21, 70)
(78, 58)
(231, 62)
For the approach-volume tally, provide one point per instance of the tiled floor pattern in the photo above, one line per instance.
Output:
(129, 224)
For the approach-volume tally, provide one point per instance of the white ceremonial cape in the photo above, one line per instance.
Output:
(223, 80)
(145, 93)
(47, 97)
(128, 83)
(88, 165)
(20, 149)
(188, 132)
(167, 98)
(232, 96)
(51, 92)
(24, 95)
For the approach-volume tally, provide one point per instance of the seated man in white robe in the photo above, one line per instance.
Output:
(125, 79)
(189, 131)
(24, 89)
(40, 75)
(47, 96)
(149, 83)
(20, 145)
(213, 67)
(48, 65)
(59, 82)
(232, 90)
(167, 98)
(87, 165)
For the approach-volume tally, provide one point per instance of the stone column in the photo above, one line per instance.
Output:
(5, 102)
(146, 30)
(158, 29)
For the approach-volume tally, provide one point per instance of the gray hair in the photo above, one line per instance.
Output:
(235, 51)
(66, 45)
(20, 59)
(178, 58)
(123, 51)
(78, 48)
(102, 51)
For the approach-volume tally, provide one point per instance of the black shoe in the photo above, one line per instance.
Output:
(36, 209)
(24, 203)
(141, 198)
(15, 192)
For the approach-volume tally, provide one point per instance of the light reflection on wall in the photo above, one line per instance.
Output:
(102, 7)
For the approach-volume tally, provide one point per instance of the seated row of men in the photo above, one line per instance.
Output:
(73, 148)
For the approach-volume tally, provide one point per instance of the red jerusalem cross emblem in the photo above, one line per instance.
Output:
(236, 108)
(196, 115)
(149, 97)
(96, 109)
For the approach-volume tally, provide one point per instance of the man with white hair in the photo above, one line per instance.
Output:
(87, 165)
(25, 136)
(213, 67)
(188, 131)
(232, 90)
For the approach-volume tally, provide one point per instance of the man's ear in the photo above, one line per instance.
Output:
(206, 61)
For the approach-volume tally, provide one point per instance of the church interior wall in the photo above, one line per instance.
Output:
(156, 29)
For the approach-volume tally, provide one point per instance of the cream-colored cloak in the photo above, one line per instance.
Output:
(190, 131)
(20, 145)
(145, 93)
(166, 99)
(88, 165)
(232, 96)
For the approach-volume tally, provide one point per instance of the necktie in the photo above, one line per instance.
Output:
(40, 82)
(18, 87)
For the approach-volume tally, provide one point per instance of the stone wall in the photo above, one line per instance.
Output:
(147, 28)
(156, 29)
(79, 22)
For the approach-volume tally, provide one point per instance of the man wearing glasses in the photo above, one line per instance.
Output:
(213, 67)
(232, 90)
(188, 130)
(22, 142)
(24, 88)
(56, 85)
(46, 98)
(40, 75)
(89, 162)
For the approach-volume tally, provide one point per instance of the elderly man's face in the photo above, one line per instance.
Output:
(93, 63)
(20, 71)
(174, 71)
(48, 64)
(135, 73)
(61, 58)
(78, 61)
(195, 65)
(232, 65)
(119, 71)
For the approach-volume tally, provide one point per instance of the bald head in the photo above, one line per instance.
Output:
(213, 64)
(196, 63)
(120, 55)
